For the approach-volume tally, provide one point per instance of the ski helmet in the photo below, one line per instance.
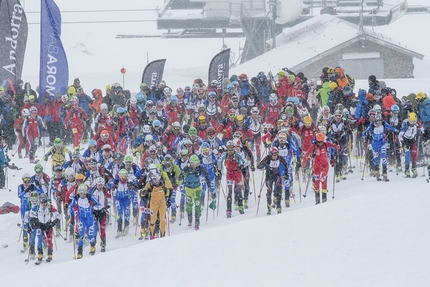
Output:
(92, 143)
(83, 189)
(152, 149)
(148, 162)
(43, 198)
(378, 118)
(274, 150)
(194, 160)
(273, 98)
(212, 94)
(100, 180)
(146, 129)
(167, 91)
(70, 172)
(322, 129)
(230, 87)
(377, 108)
(33, 109)
(176, 126)
(104, 134)
(156, 123)
(187, 142)
(184, 153)
(58, 167)
(26, 177)
(192, 132)
(320, 137)
(58, 142)
(103, 107)
(123, 173)
(133, 100)
(308, 121)
(412, 118)
(34, 197)
(107, 147)
(395, 109)
(25, 112)
(155, 175)
(420, 96)
(326, 109)
(76, 154)
(202, 119)
(255, 111)
(38, 168)
(92, 162)
(128, 159)
(80, 176)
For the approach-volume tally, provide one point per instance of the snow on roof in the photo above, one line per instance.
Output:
(309, 41)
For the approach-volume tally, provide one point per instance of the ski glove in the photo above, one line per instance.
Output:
(252, 167)
(168, 203)
(332, 162)
(213, 196)
(45, 158)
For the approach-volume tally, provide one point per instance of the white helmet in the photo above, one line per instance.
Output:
(100, 180)
(148, 138)
(70, 172)
(255, 111)
(25, 112)
(103, 106)
(146, 129)
(377, 108)
(273, 97)
(133, 100)
(167, 90)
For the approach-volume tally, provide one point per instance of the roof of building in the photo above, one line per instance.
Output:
(314, 39)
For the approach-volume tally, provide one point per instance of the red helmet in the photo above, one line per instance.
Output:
(274, 150)
(320, 137)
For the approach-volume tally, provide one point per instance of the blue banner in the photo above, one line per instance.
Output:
(54, 69)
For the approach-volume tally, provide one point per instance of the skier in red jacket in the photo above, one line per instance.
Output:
(318, 151)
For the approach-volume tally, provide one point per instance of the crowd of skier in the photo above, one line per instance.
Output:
(160, 154)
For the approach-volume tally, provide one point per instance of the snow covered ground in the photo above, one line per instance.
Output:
(371, 234)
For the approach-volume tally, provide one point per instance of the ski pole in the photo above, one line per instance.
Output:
(55, 240)
(261, 189)
(365, 158)
(137, 218)
(334, 173)
(168, 222)
(300, 187)
(20, 232)
(217, 212)
(207, 204)
(253, 183)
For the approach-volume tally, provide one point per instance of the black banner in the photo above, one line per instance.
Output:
(13, 41)
(219, 67)
(153, 72)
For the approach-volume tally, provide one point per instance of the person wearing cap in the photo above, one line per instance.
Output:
(106, 156)
(82, 207)
(121, 188)
(318, 153)
(75, 121)
(101, 213)
(32, 130)
(379, 148)
(85, 102)
(43, 218)
(58, 153)
(54, 191)
(233, 162)
(24, 191)
(275, 167)
(192, 176)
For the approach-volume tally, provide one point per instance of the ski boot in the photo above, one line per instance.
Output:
(49, 259)
(80, 251)
(197, 225)
(39, 254)
(228, 213)
(414, 173)
(190, 219)
(324, 195)
(274, 202)
(384, 173)
(173, 219)
(92, 249)
(103, 245)
(126, 227)
(287, 203)
(32, 253)
(377, 175)
(338, 177)
(19, 154)
(151, 237)
(278, 209)
(399, 168)
(241, 210)
(407, 173)
(317, 197)
(269, 209)
(245, 203)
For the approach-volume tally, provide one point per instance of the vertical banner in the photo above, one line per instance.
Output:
(13, 40)
(219, 67)
(153, 72)
(54, 69)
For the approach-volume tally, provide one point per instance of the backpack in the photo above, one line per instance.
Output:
(351, 81)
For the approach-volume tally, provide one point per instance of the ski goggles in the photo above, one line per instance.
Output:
(26, 179)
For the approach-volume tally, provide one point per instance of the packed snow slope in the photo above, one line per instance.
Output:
(371, 234)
